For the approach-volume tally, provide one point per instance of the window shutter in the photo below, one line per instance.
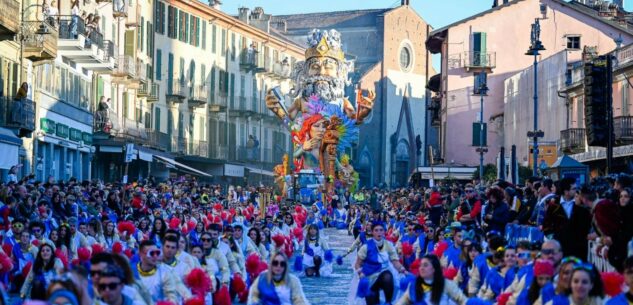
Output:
(212, 81)
(129, 43)
(157, 119)
(182, 70)
(213, 38)
(170, 22)
(203, 75)
(170, 72)
(204, 35)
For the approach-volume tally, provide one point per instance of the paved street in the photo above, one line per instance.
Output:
(333, 289)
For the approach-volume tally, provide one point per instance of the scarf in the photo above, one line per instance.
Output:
(267, 293)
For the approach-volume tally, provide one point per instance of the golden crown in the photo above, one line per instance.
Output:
(324, 44)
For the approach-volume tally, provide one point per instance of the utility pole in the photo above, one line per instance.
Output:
(535, 47)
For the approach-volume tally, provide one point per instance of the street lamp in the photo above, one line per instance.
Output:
(533, 50)
(483, 89)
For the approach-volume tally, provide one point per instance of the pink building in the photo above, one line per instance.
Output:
(490, 47)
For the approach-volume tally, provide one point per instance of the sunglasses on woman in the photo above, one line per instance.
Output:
(277, 263)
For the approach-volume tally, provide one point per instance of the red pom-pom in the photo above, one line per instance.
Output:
(83, 254)
(195, 301)
(288, 249)
(217, 219)
(199, 282)
(35, 243)
(217, 207)
(126, 226)
(117, 248)
(165, 303)
(503, 298)
(224, 215)
(174, 223)
(441, 247)
(5, 263)
(27, 269)
(298, 233)
(252, 263)
(243, 296)
(392, 238)
(421, 219)
(407, 249)
(8, 249)
(279, 240)
(613, 282)
(450, 273)
(222, 297)
(128, 253)
(62, 257)
(238, 283)
(263, 266)
(298, 209)
(191, 225)
(97, 248)
(413, 268)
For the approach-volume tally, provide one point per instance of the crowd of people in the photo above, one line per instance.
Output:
(181, 241)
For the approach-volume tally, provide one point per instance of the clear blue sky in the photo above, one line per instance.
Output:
(436, 12)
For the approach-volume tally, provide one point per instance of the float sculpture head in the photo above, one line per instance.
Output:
(325, 71)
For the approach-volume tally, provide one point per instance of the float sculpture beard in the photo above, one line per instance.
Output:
(326, 87)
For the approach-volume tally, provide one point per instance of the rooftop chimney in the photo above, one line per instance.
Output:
(244, 14)
(404, 2)
(216, 4)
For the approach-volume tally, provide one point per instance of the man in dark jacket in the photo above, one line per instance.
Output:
(567, 220)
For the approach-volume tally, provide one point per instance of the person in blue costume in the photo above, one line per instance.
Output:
(586, 287)
(451, 257)
(541, 289)
(469, 254)
(501, 276)
(430, 286)
(625, 298)
(411, 236)
(314, 248)
(277, 286)
(483, 263)
(550, 250)
(375, 265)
(423, 242)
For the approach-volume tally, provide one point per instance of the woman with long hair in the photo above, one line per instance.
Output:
(309, 140)
(255, 235)
(95, 233)
(109, 234)
(501, 276)
(376, 265)
(565, 269)
(65, 239)
(277, 285)
(430, 286)
(469, 253)
(314, 252)
(45, 268)
(158, 231)
(585, 288)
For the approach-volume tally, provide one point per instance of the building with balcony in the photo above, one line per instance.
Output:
(475, 50)
(392, 61)
(573, 136)
(209, 69)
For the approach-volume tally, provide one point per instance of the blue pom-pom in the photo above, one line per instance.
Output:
(298, 265)
(328, 256)
(406, 281)
(477, 301)
(363, 288)
(309, 251)
(341, 225)
(339, 260)
(323, 212)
